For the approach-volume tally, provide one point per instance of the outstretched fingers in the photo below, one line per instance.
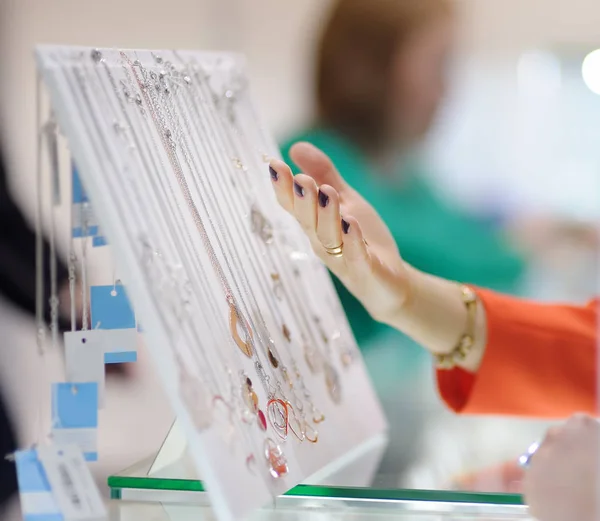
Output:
(337, 239)
(355, 248)
(283, 181)
(317, 165)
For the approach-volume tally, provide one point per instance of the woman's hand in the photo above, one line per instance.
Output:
(562, 480)
(334, 215)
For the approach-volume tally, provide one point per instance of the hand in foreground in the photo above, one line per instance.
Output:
(561, 483)
(333, 215)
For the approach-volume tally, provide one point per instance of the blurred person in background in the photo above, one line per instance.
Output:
(380, 80)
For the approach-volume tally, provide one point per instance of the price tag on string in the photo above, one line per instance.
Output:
(99, 240)
(71, 484)
(75, 416)
(114, 322)
(37, 501)
(83, 216)
(84, 354)
(111, 308)
(78, 193)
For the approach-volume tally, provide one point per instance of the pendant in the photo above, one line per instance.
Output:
(244, 346)
(313, 360)
(286, 333)
(250, 397)
(332, 380)
(318, 416)
(275, 459)
(347, 358)
(278, 417)
(324, 337)
(277, 286)
(261, 226)
(346, 354)
(251, 401)
(274, 362)
(262, 420)
(310, 433)
(287, 377)
(295, 424)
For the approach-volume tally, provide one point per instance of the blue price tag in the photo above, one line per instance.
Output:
(37, 500)
(98, 241)
(111, 308)
(75, 416)
(79, 195)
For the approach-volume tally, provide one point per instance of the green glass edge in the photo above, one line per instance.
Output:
(446, 496)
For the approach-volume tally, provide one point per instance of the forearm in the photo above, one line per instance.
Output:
(435, 316)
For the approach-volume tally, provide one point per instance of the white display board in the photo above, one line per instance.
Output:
(242, 320)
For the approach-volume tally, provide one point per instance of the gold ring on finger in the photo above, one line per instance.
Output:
(336, 251)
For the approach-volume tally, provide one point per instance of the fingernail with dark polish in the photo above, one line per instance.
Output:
(298, 189)
(274, 174)
(323, 199)
(345, 226)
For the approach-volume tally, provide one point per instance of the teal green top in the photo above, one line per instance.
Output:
(432, 235)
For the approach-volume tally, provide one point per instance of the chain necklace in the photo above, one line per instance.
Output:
(186, 244)
(192, 393)
(331, 376)
(216, 128)
(271, 352)
(346, 348)
(277, 409)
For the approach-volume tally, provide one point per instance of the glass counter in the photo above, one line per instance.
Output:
(137, 494)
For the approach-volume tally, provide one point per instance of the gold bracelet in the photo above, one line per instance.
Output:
(467, 340)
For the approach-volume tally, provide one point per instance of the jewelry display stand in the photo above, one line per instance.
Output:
(241, 319)
(276, 414)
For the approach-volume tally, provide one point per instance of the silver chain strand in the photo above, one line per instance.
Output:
(223, 228)
(275, 310)
(330, 372)
(347, 355)
(193, 403)
(167, 138)
(235, 394)
(184, 307)
(167, 135)
(298, 406)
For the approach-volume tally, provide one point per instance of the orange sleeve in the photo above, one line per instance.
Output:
(540, 361)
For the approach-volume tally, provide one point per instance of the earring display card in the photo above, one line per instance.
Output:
(249, 337)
